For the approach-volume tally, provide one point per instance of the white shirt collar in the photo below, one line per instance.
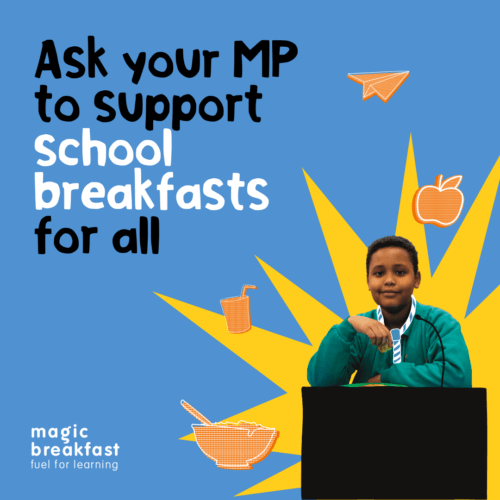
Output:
(407, 324)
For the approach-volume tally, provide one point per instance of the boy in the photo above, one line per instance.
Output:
(364, 342)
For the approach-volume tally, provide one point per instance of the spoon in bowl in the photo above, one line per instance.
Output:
(196, 414)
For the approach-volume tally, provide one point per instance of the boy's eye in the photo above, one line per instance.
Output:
(400, 273)
(378, 273)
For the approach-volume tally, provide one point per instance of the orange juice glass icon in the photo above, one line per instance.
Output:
(237, 312)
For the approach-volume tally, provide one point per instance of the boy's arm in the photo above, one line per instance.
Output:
(338, 357)
(457, 367)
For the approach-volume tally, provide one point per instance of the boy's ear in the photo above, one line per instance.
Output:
(418, 278)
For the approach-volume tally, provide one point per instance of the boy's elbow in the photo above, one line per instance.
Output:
(315, 377)
(311, 378)
(320, 378)
(466, 379)
(461, 377)
(462, 381)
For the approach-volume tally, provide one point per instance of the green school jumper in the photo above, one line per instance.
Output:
(343, 351)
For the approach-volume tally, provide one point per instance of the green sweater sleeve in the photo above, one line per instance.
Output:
(457, 367)
(337, 358)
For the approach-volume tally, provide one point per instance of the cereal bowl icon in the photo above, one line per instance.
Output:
(233, 446)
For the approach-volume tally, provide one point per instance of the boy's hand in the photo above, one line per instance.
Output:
(375, 330)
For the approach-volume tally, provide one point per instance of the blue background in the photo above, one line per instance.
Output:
(83, 338)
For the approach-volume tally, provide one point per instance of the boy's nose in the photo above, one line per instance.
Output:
(389, 279)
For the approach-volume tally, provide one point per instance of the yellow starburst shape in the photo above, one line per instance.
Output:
(284, 361)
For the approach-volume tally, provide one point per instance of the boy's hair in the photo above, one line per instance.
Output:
(393, 241)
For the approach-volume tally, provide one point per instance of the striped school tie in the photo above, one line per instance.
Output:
(396, 332)
(396, 339)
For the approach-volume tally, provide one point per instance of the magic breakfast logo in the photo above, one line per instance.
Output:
(210, 194)
(70, 454)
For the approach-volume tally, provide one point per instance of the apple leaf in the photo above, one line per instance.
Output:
(452, 182)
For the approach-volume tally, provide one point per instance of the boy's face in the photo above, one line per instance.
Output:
(391, 278)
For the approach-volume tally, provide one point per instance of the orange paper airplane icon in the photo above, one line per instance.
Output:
(382, 84)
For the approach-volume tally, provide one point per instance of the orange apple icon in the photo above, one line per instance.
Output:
(440, 204)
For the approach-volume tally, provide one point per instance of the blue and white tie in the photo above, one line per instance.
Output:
(396, 339)
(396, 332)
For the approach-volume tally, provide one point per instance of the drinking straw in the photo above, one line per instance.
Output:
(245, 288)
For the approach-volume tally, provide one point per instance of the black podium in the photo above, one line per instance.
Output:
(394, 443)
